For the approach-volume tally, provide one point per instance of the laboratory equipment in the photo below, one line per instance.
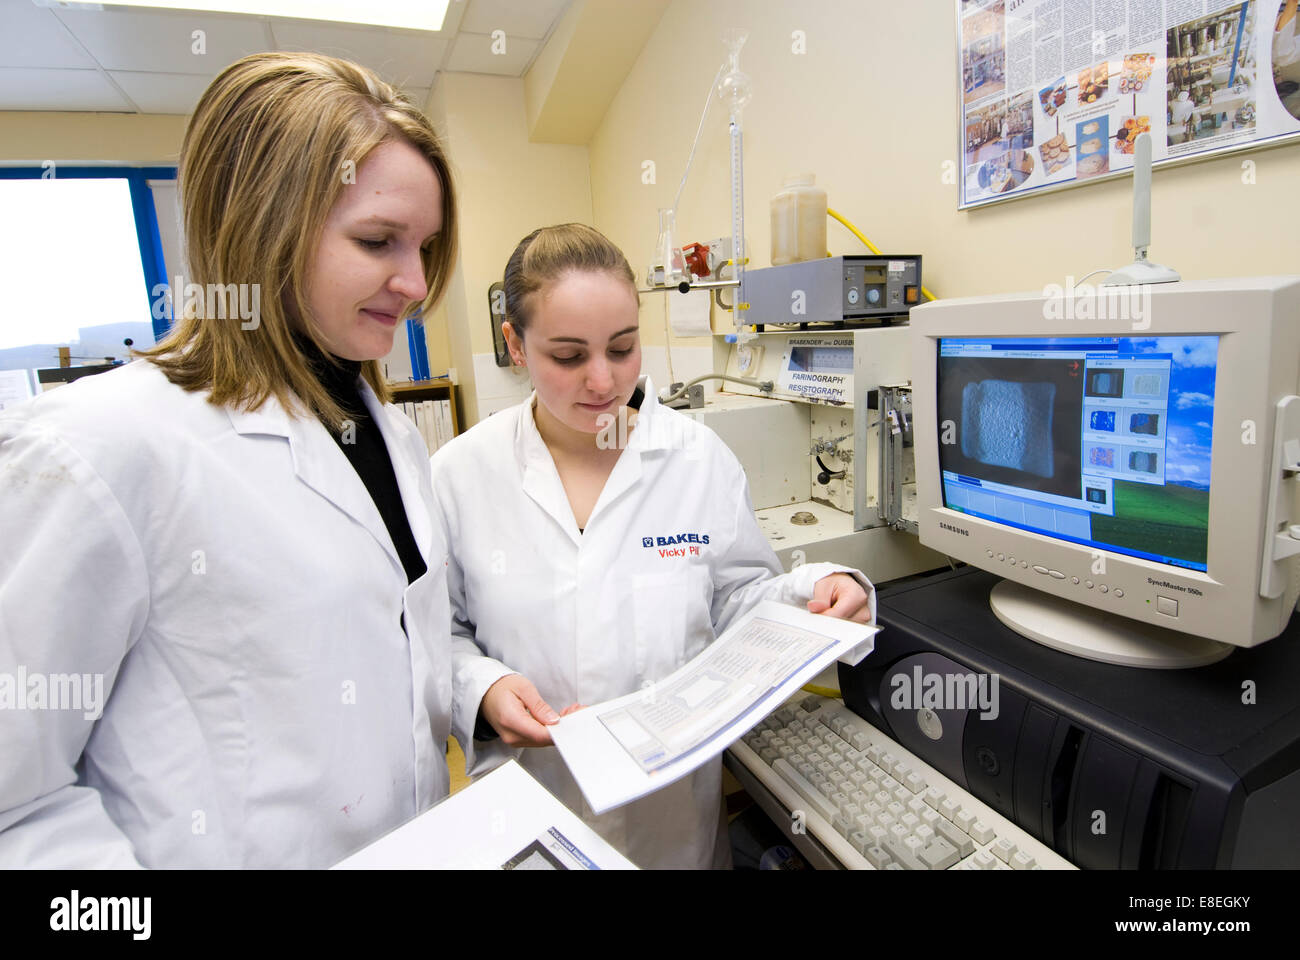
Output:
(827, 481)
(669, 266)
(798, 221)
(1155, 537)
(1110, 768)
(734, 91)
(1142, 270)
(868, 802)
(835, 290)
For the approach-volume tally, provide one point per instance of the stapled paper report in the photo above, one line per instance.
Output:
(623, 749)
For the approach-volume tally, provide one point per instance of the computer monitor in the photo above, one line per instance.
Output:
(1119, 457)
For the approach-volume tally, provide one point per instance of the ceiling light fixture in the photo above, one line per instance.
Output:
(404, 14)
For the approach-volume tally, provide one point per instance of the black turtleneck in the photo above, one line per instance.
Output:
(367, 453)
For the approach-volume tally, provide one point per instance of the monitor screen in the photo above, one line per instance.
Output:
(1099, 441)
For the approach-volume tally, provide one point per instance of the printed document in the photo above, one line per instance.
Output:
(626, 748)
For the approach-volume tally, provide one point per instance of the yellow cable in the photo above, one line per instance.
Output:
(821, 691)
(870, 246)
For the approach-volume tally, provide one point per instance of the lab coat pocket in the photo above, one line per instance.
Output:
(671, 620)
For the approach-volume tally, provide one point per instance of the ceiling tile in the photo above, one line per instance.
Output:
(472, 53)
(162, 92)
(527, 19)
(163, 41)
(32, 37)
(24, 88)
(399, 56)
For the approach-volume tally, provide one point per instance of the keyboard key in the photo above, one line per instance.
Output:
(807, 792)
(938, 854)
(901, 854)
(769, 755)
(981, 832)
(966, 820)
(930, 817)
(888, 761)
(949, 807)
(877, 857)
(1022, 861)
(923, 832)
(918, 807)
(914, 782)
(984, 860)
(874, 754)
(861, 840)
(842, 827)
(910, 820)
(1003, 849)
(934, 796)
(955, 835)
(860, 741)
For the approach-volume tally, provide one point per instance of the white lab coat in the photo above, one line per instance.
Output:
(591, 616)
(232, 580)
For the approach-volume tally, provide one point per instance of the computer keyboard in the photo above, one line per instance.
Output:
(873, 804)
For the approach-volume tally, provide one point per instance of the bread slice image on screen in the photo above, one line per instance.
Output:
(1007, 424)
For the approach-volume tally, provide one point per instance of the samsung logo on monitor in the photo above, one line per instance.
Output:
(951, 528)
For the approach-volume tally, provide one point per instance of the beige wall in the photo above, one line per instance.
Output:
(507, 187)
(143, 139)
(871, 108)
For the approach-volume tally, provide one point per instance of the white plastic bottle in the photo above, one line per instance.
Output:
(798, 221)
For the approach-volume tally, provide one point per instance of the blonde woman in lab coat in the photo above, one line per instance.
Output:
(232, 537)
(558, 565)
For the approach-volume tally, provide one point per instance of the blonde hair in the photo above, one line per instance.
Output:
(265, 156)
(547, 254)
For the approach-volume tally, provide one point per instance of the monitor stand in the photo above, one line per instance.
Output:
(1097, 635)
